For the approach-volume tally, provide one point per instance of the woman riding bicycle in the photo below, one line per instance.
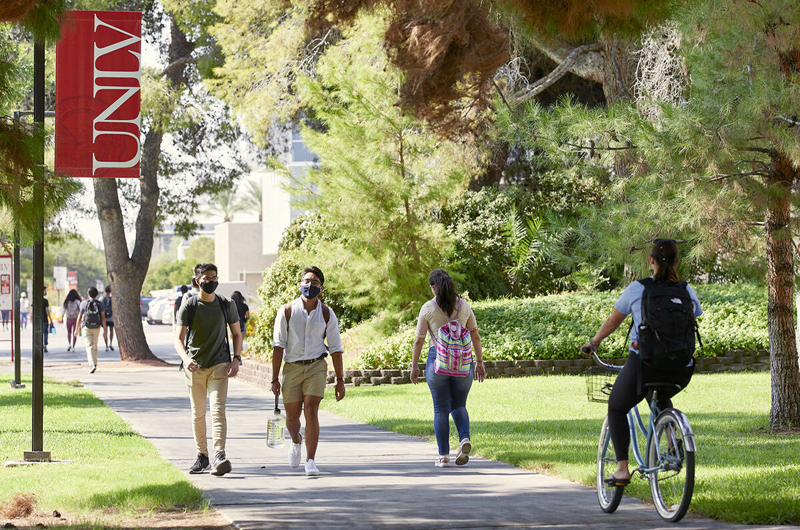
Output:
(629, 388)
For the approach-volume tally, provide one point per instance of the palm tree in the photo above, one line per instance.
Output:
(225, 203)
(252, 199)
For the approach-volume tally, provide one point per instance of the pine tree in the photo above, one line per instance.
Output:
(381, 178)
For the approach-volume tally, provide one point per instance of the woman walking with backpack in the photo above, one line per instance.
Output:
(72, 308)
(629, 387)
(454, 350)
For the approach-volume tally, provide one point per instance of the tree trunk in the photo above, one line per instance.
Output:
(126, 273)
(618, 80)
(785, 410)
(493, 173)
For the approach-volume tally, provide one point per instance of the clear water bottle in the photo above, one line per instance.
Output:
(276, 428)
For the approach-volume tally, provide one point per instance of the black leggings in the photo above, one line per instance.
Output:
(628, 391)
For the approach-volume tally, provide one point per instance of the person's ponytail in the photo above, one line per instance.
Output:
(665, 254)
(445, 289)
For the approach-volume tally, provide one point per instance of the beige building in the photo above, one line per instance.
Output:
(243, 251)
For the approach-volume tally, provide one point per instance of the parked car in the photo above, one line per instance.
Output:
(144, 304)
(155, 310)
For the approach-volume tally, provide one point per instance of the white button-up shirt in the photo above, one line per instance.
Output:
(304, 337)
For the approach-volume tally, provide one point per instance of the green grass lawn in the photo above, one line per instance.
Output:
(114, 473)
(547, 425)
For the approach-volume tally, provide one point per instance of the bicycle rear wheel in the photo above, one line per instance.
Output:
(608, 496)
(672, 481)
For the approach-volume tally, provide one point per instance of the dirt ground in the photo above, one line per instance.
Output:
(200, 520)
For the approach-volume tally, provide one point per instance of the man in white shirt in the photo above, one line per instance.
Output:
(300, 332)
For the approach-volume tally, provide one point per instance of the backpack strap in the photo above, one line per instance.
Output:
(225, 306)
(191, 309)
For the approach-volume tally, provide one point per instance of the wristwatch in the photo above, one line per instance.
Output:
(238, 357)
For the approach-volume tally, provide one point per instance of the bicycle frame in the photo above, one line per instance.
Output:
(636, 426)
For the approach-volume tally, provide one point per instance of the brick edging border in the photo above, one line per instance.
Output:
(259, 372)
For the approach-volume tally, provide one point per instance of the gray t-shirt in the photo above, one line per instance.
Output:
(209, 330)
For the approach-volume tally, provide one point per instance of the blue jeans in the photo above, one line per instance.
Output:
(449, 395)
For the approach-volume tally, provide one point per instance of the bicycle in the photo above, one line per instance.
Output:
(669, 458)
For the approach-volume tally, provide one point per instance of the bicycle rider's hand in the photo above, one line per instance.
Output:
(589, 348)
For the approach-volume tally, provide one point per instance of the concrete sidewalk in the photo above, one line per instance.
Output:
(369, 478)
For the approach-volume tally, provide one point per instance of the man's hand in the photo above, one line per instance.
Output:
(233, 368)
(192, 366)
(276, 388)
(415, 374)
(339, 389)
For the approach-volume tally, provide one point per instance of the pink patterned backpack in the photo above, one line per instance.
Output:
(453, 347)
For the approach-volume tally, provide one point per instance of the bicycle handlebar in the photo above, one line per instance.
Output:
(609, 367)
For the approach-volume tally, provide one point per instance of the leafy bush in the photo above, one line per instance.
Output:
(280, 285)
(555, 326)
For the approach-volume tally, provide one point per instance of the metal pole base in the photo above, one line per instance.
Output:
(14, 384)
(36, 456)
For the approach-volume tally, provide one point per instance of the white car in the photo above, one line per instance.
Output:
(156, 309)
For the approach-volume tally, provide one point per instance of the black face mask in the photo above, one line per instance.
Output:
(310, 291)
(209, 287)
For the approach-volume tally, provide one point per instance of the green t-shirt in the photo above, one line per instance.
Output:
(209, 330)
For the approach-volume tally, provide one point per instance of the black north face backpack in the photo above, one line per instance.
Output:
(668, 327)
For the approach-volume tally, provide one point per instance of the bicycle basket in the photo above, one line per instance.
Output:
(599, 383)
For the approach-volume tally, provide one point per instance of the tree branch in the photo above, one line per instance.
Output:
(177, 63)
(560, 71)
(588, 66)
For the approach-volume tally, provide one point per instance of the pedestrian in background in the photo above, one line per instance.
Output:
(24, 310)
(47, 320)
(90, 320)
(243, 309)
(449, 392)
(109, 312)
(72, 309)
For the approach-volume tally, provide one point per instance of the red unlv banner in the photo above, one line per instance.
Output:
(98, 94)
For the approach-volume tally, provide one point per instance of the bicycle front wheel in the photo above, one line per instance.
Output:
(608, 496)
(671, 456)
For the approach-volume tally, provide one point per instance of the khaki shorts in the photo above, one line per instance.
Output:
(300, 380)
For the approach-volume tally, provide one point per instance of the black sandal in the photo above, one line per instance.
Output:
(617, 482)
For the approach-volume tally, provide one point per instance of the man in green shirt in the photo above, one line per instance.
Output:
(207, 362)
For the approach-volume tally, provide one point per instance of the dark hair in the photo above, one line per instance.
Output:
(108, 288)
(316, 271)
(184, 289)
(237, 297)
(72, 295)
(665, 254)
(445, 289)
(92, 292)
(200, 268)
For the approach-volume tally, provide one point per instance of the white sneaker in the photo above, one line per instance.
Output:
(443, 461)
(463, 452)
(294, 454)
(311, 468)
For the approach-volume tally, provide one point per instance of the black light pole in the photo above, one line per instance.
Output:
(17, 383)
(37, 453)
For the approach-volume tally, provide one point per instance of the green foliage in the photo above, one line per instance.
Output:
(281, 281)
(546, 425)
(167, 274)
(201, 250)
(556, 326)
(381, 177)
(113, 471)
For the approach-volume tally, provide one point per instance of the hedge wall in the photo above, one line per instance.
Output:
(555, 326)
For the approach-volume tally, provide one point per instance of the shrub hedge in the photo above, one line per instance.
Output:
(555, 326)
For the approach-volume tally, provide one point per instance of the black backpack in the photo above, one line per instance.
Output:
(668, 327)
(92, 315)
(107, 306)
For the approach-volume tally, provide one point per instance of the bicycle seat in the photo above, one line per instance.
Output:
(664, 385)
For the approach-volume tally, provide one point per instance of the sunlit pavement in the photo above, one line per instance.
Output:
(369, 478)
